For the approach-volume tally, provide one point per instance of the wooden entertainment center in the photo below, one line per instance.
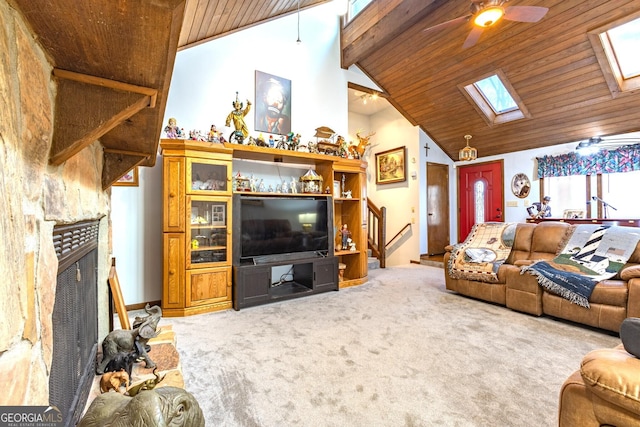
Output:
(199, 271)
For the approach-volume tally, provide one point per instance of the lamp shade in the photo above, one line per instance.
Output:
(489, 16)
(468, 153)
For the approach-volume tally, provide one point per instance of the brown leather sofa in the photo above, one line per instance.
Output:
(611, 301)
(604, 392)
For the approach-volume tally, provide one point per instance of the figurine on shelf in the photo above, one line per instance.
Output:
(214, 135)
(294, 185)
(237, 116)
(172, 130)
(284, 187)
(346, 234)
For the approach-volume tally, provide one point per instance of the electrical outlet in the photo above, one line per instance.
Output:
(512, 203)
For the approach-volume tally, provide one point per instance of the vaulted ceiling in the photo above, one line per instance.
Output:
(206, 20)
(113, 61)
(551, 65)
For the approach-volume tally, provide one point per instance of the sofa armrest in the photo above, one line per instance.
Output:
(630, 272)
(448, 248)
(633, 300)
(613, 375)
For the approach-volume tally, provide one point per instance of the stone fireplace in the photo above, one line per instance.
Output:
(36, 198)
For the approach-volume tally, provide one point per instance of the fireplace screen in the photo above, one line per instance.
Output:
(75, 319)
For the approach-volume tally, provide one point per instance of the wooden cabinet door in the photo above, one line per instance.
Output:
(173, 271)
(325, 273)
(252, 286)
(208, 286)
(173, 194)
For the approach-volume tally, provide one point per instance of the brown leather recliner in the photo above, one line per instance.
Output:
(604, 392)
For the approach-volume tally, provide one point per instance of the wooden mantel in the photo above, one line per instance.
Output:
(112, 62)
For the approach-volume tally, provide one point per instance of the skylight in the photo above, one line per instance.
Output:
(495, 99)
(496, 94)
(355, 7)
(624, 41)
(616, 46)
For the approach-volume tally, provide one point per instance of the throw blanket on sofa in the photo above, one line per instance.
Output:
(592, 253)
(483, 252)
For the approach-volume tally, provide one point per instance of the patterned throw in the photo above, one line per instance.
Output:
(593, 253)
(483, 252)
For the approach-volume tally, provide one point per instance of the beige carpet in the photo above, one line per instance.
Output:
(399, 350)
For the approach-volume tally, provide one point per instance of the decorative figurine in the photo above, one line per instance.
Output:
(345, 237)
(214, 135)
(285, 187)
(237, 116)
(114, 381)
(294, 185)
(357, 151)
(122, 340)
(149, 384)
(172, 130)
(163, 406)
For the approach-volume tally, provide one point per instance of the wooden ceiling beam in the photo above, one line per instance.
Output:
(116, 164)
(383, 21)
(87, 107)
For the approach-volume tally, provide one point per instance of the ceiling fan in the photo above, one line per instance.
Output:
(486, 13)
(595, 143)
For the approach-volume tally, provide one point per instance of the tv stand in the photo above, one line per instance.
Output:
(253, 284)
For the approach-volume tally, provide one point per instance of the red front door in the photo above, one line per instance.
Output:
(480, 197)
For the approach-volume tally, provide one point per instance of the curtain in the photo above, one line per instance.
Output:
(623, 159)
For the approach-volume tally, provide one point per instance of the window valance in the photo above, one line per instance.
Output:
(622, 159)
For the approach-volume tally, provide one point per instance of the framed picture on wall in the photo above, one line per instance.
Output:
(129, 179)
(273, 104)
(391, 166)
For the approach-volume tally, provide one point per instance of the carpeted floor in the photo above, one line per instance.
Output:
(399, 350)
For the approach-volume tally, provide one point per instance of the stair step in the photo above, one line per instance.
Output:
(373, 263)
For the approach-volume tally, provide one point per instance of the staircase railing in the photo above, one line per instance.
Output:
(377, 231)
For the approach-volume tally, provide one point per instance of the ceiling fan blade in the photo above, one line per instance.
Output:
(447, 24)
(525, 13)
(473, 37)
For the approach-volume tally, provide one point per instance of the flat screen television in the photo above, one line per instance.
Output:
(275, 228)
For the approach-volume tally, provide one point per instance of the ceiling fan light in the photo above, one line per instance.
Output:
(489, 16)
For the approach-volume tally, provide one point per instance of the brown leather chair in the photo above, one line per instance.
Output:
(604, 392)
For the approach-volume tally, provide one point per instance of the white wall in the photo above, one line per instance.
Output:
(136, 216)
(206, 77)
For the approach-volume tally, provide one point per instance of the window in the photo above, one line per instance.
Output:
(479, 201)
(495, 99)
(355, 7)
(615, 46)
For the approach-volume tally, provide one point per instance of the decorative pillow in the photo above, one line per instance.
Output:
(631, 272)
(630, 335)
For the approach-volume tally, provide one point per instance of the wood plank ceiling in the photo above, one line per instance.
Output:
(206, 20)
(551, 65)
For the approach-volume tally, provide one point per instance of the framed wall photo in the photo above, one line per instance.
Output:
(391, 166)
(273, 104)
(520, 185)
(129, 179)
(336, 189)
(218, 214)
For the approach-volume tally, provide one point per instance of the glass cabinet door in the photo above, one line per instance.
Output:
(209, 241)
(208, 176)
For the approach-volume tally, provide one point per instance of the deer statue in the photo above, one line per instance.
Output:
(357, 151)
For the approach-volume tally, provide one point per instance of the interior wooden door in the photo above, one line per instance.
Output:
(437, 208)
(480, 195)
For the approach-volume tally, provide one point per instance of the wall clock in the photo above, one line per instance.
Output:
(520, 185)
